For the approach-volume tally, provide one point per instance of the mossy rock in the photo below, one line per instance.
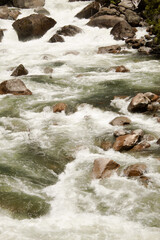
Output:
(21, 205)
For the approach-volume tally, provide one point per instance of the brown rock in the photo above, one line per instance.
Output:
(69, 30)
(56, 38)
(59, 107)
(132, 18)
(104, 168)
(19, 71)
(120, 132)
(106, 145)
(106, 11)
(122, 30)
(28, 3)
(145, 50)
(153, 97)
(126, 142)
(7, 13)
(89, 10)
(139, 103)
(109, 49)
(144, 180)
(33, 26)
(122, 69)
(105, 21)
(148, 137)
(15, 87)
(135, 170)
(48, 70)
(141, 146)
(41, 10)
(120, 121)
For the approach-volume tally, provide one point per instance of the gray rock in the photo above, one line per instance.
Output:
(122, 30)
(28, 3)
(105, 21)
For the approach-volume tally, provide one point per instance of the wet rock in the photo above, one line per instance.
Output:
(139, 103)
(122, 69)
(153, 97)
(19, 71)
(153, 107)
(122, 30)
(145, 50)
(158, 141)
(59, 107)
(132, 18)
(141, 146)
(72, 53)
(135, 43)
(89, 11)
(148, 137)
(1, 34)
(41, 10)
(28, 3)
(144, 180)
(120, 121)
(126, 142)
(120, 132)
(104, 168)
(10, 14)
(135, 170)
(69, 30)
(48, 70)
(138, 132)
(15, 87)
(106, 11)
(56, 38)
(104, 21)
(33, 26)
(120, 97)
(106, 145)
(109, 49)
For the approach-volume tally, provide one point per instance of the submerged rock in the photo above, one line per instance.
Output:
(106, 145)
(19, 71)
(15, 87)
(104, 168)
(89, 11)
(109, 49)
(59, 107)
(33, 26)
(141, 146)
(56, 38)
(7, 13)
(122, 69)
(69, 30)
(120, 121)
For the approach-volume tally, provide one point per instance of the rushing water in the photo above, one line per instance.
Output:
(46, 158)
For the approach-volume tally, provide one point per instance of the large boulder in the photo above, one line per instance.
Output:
(139, 103)
(15, 87)
(132, 18)
(109, 49)
(89, 11)
(105, 21)
(135, 170)
(120, 121)
(19, 71)
(122, 30)
(28, 3)
(104, 168)
(69, 30)
(126, 142)
(33, 26)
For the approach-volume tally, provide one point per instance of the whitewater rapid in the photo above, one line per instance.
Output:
(51, 155)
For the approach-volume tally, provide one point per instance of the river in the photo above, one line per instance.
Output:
(46, 158)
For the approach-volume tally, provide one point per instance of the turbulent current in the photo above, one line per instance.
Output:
(46, 158)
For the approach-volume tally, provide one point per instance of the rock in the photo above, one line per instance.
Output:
(132, 18)
(126, 142)
(106, 145)
(19, 71)
(135, 43)
(1, 34)
(28, 3)
(106, 11)
(122, 30)
(59, 107)
(69, 30)
(145, 50)
(120, 121)
(89, 11)
(135, 170)
(122, 69)
(104, 21)
(33, 26)
(127, 4)
(72, 53)
(148, 137)
(138, 132)
(141, 146)
(158, 141)
(15, 87)
(109, 49)
(139, 103)
(153, 97)
(104, 168)
(48, 70)
(120, 132)
(144, 180)
(10, 14)
(41, 10)
(153, 107)
(56, 38)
